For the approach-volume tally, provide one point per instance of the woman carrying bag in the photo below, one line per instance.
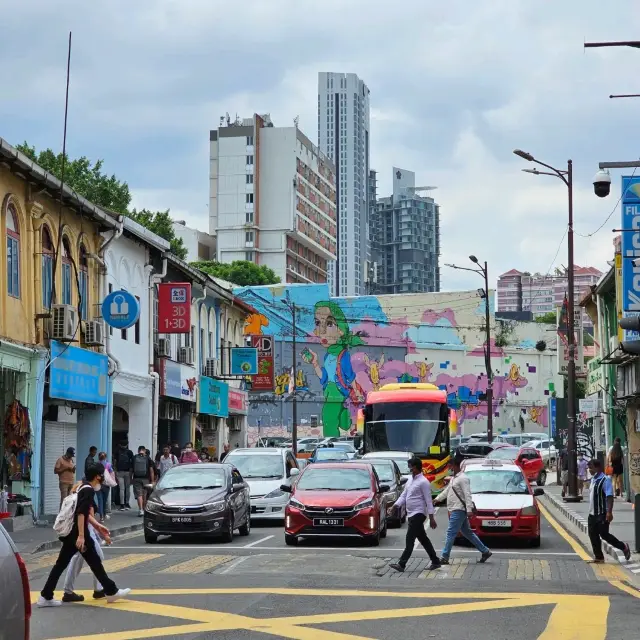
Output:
(104, 495)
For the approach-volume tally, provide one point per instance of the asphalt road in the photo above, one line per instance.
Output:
(256, 587)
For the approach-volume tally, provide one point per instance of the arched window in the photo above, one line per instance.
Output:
(47, 267)
(13, 252)
(84, 282)
(67, 272)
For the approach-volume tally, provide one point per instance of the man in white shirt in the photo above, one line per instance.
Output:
(416, 498)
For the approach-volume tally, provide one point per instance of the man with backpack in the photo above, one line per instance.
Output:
(123, 462)
(166, 460)
(143, 474)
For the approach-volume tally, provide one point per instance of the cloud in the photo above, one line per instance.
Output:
(455, 87)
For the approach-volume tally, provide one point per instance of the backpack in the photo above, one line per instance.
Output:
(123, 462)
(140, 467)
(64, 520)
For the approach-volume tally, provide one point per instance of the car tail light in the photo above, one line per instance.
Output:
(26, 592)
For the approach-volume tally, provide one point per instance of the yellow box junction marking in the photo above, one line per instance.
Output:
(126, 561)
(529, 570)
(198, 565)
(591, 611)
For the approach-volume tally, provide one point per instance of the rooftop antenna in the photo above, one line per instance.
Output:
(228, 119)
(296, 121)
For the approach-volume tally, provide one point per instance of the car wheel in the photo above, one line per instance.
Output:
(374, 541)
(383, 533)
(290, 541)
(535, 542)
(542, 478)
(150, 538)
(245, 529)
(227, 536)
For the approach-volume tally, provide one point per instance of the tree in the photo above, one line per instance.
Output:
(547, 318)
(105, 191)
(240, 272)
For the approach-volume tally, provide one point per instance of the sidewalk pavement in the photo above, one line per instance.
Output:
(36, 539)
(622, 526)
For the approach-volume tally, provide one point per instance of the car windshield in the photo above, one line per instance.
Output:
(384, 470)
(334, 479)
(496, 481)
(345, 446)
(332, 453)
(503, 453)
(192, 477)
(257, 465)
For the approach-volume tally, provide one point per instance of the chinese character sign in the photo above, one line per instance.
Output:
(174, 307)
(264, 378)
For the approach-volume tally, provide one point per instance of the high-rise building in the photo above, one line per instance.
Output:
(272, 199)
(405, 232)
(343, 135)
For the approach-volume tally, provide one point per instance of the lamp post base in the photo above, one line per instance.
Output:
(569, 498)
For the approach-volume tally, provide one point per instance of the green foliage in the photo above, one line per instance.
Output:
(105, 191)
(504, 333)
(547, 318)
(588, 341)
(240, 272)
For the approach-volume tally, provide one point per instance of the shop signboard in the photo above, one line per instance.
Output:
(78, 375)
(563, 349)
(238, 402)
(177, 380)
(120, 309)
(588, 405)
(264, 378)
(595, 376)
(618, 281)
(174, 307)
(630, 250)
(244, 361)
(213, 397)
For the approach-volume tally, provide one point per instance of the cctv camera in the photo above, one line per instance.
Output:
(602, 183)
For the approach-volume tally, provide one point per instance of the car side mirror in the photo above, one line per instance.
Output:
(286, 488)
(403, 481)
(294, 472)
(237, 486)
(384, 488)
(149, 487)
(538, 491)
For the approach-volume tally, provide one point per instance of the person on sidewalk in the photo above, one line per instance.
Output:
(583, 476)
(166, 461)
(105, 492)
(65, 469)
(616, 457)
(564, 470)
(457, 495)
(601, 513)
(224, 452)
(90, 460)
(124, 469)
(143, 474)
(416, 498)
(189, 456)
(80, 540)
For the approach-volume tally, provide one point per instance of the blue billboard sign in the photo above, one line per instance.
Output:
(78, 375)
(120, 309)
(213, 397)
(553, 422)
(244, 361)
(630, 250)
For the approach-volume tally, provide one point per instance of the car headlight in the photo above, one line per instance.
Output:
(365, 504)
(392, 496)
(529, 511)
(297, 504)
(153, 506)
(219, 505)
(276, 493)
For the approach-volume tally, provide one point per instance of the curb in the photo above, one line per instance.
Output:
(55, 544)
(581, 523)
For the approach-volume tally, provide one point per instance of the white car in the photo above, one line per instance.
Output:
(401, 458)
(264, 470)
(546, 448)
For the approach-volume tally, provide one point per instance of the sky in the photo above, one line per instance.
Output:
(455, 87)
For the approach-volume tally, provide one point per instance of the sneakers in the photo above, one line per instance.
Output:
(72, 597)
(140, 513)
(397, 567)
(98, 595)
(43, 602)
(444, 560)
(122, 593)
(122, 508)
(108, 516)
(485, 556)
(627, 552)
(436, 564)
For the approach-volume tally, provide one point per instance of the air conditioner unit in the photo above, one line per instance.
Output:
(163, 413)
(211, 368)
(94, 333)
(163, 348)
(185, 355)
(64, 322)
(614, 343)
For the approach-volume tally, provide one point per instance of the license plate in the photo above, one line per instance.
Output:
(328, 522)
(182, 519)
(496, 523)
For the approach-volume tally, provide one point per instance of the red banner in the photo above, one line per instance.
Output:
(174, 307)
(264, 380)
(237, 401)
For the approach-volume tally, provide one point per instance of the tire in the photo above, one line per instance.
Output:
(374, 541)
(227, 536)
(383, 533)
(535, 542)
(542, 478)
(150, 538)
(290, 541)
(245, 529)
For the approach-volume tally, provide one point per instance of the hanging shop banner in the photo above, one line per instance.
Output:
(213, 397)
(78, 374)
(588, 405)
(174, 307)
(177, 380)
(630, 250)
(264, 378)
(120, 309)
(595, 377)
(244, 361)
(238, 402)
(618, 281)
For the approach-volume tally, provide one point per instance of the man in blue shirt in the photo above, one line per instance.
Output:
(601, 513)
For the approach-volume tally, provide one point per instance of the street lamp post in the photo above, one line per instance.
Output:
(294, 374)
(567, 177)
(483, 271)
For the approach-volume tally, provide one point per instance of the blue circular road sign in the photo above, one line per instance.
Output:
(120, 309)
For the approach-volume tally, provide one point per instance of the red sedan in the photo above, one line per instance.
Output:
(527, 458)
(342, 499)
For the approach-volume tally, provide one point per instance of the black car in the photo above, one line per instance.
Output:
(389, 473)
(473, 449)
(207, 499)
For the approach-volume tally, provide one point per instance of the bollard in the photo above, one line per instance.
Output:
(636, 520)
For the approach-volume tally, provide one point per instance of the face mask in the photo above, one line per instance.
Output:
(188, 449)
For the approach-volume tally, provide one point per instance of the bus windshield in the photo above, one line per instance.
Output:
(407, 426)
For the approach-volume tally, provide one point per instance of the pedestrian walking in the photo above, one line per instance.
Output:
(74, 518)
(457, 495)
(166, 461)
(65, 469)
(143, 474)
(601, 513)
(124, 469)
(583, 475)
(90, 460)
(416, 498)
(176, 449)
(189, 456)
(104, 497)
(225, 452)
(564, 470)
(616, 457)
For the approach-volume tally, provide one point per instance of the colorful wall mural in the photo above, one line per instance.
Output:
(346, 347)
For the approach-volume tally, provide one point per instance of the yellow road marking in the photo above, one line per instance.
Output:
(576, 546)
(626, 588)
(126, 561)
(576, 620)
(609, 572)
(198, 565)
(43, 562)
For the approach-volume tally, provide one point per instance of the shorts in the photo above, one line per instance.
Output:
(138, 487)
(618, 468)
(564, 477)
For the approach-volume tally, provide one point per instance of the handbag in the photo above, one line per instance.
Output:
(474, 510)
(608, 471)
(109, 479)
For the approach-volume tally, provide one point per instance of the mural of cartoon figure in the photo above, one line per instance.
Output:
(374, 370)
(336, 374)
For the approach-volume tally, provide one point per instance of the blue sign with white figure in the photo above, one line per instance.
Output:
(78, 374)
(120, 309)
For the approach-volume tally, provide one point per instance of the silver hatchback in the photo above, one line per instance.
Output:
(15, 597)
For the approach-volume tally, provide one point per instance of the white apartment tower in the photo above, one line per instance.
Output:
(272, 199)
(343, 135)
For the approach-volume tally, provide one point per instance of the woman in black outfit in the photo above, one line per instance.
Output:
(616, 457)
